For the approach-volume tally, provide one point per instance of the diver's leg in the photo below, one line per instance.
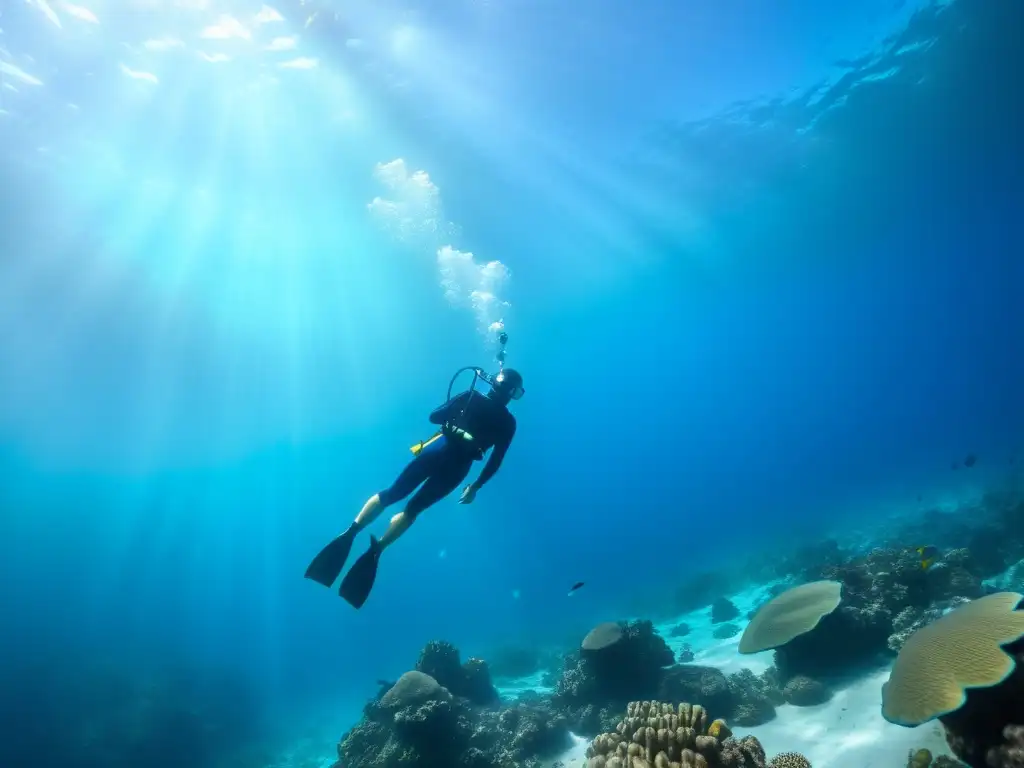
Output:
(446, 479)
(448, 474)
(415, 472)
(371, 511)
(399, 524)
(329, 562)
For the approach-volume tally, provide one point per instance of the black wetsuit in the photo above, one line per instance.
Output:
(444, 464)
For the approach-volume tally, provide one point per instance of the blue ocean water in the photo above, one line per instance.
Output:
(760, 268)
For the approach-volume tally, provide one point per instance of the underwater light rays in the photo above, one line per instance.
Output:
(463, 87)
(616, 206)
(199, 208)
(289, 247)
(608, 203)
(611, 203)
(196, 213)
(604, 202)
(163, 236)
(94, 282)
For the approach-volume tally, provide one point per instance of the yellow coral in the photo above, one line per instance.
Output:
(961, 650)
(719, 730)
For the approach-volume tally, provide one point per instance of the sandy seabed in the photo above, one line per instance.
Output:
(848, 731)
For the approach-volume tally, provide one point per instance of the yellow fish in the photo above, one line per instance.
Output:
(928, 556)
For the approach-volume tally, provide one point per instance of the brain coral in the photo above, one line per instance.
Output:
(412, 688)
(793, 613)
(602, 636)
(959, 651)
(789, 760)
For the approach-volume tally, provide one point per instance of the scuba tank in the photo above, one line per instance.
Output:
(479, 374)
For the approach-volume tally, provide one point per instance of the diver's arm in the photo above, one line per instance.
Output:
(445, 411)
(495, 459)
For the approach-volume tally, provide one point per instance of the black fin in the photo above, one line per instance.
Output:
(326, 566)
(358, 582)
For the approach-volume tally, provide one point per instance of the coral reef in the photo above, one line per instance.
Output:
(913, 618)
(612, 667)
(876, 589)
(755, 697)
(967, 670)
(803, 691)
(985, 732)
(987, 528)
(723, 609)
(959, 652)
(753, 712)
(1009, 754)
(419, 724)
(802, 564)
(692, 682)
(471, 680)
(665, 736)
(907, 622)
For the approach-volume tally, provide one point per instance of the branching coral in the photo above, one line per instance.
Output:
(755, 697)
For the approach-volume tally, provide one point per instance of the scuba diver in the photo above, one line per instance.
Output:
(470, 424)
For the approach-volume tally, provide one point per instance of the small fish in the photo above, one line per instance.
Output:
(574, 587)
(970, 460)
(442, 554)
(515, 594)
(386, 683)
(928, 555)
